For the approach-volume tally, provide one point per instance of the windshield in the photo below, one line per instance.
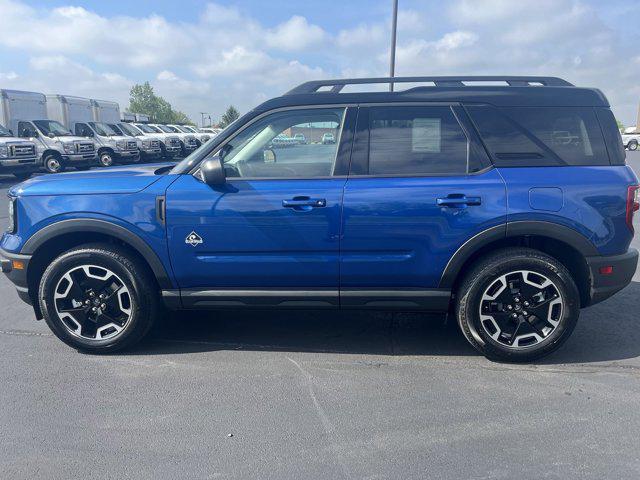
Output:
(116, 129)
(129, 130)
(49, 127)
(4, 132)
(103, 129)
(186, 129)
(165, 129)
(148, 128)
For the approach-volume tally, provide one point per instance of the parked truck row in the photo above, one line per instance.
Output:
(54, 132)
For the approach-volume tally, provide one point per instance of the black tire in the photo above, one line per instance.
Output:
(485, 274)
(633, 145)
(53, 163)
(105, 158)
(142, 296)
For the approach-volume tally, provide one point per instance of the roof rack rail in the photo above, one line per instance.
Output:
(335, 86)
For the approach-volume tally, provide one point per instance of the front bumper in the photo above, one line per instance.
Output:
(622, 269)
(85, 158)
(19, 164)
(126, 155)
(15, 267)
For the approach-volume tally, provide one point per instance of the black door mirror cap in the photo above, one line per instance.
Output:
(212, 172)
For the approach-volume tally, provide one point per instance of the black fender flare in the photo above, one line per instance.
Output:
(90, 225)
(552, 230)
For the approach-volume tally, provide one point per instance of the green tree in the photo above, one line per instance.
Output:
(620, 125)
(229, 116)
(142, 99)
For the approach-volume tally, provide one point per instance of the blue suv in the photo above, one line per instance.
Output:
(504, 200)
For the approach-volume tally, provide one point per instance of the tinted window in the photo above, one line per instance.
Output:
(612, 136)
(25, 129)
(416, 141)
(540, 136)
(266, 149)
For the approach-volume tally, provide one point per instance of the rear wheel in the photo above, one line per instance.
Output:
(633, 145)
(517, 304)
(53, 164)
(98, 298)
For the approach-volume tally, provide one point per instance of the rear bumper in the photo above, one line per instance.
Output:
(604, 285)
(17, 276)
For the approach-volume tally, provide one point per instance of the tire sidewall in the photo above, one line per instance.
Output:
(46, 164)
(105, 155)
(632, 146)
(73, 259)
(570, 311)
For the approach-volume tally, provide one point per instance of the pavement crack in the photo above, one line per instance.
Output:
(329, 428)
(25, 334)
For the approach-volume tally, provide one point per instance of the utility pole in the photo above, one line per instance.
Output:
(394, 27)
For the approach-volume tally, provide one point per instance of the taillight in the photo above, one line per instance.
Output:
(632, 204)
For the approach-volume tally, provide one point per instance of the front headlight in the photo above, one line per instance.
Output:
(4, 151)
(12, 216)
(146, 144)
(121, 145)
(69, 148)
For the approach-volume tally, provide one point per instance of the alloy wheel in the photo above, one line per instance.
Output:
(521, 309)
(106, 160)
(93, 303)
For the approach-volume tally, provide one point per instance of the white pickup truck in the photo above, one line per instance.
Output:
(631, 138)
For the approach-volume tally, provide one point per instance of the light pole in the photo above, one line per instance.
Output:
(394, 27)
(202, 118)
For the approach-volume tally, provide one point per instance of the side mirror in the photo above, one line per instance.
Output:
(269, 156)
(51, 135)
(212, 172)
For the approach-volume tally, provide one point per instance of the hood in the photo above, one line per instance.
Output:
(70, 138)
(15, 141)
(129, 179)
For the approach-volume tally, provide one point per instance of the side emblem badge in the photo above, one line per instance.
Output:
(193, 239)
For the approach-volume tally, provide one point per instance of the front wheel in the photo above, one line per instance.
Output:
(517, 304)
(105, 159)
(53, 164)
(633, 145)
(98, 298)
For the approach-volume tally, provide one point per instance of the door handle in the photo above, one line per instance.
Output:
(304, 204)
(457, 200)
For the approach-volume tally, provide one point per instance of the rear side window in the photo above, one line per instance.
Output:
(541, 136)
(416, 141)
(612, 136)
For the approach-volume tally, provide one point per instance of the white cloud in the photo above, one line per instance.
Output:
(295, 34)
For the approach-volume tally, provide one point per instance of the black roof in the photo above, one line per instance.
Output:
(504, 91)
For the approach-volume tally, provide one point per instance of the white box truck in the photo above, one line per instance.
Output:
(17, 156)
(25, 113)
(77, 114)
(109, 113)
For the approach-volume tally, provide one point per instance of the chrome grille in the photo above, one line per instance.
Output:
(85, 147)
(155, 143)
(174, 142)
(132, 146)
(22, 150)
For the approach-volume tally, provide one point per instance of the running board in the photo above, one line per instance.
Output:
(374, 298)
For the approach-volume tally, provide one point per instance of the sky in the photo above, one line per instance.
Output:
(203, 56)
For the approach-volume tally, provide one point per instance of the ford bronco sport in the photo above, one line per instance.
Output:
(504, 200)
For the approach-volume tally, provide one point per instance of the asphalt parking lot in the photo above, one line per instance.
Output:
(352, 395)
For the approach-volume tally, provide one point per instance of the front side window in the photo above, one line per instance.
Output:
(416, 140)
(267, 149)
(148, 128)
(164, 128)
(26, 130)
